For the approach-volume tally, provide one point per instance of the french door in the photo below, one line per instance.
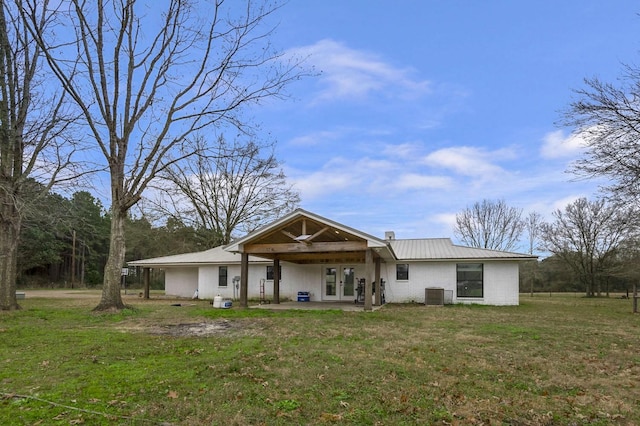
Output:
(339, 283)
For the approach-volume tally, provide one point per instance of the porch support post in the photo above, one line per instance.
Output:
(377, 281)
(368, 280)
(244, 280)
(146, 274)
(276, 280)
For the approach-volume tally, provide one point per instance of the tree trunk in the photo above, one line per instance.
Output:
(111, 296)
(9, 233)
(588, 285)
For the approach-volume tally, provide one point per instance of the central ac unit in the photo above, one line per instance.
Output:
(434, 296)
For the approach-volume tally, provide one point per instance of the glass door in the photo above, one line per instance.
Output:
(348, 282)
(339, 283)
(331, 283)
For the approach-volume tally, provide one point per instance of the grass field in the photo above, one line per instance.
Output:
(560, 360)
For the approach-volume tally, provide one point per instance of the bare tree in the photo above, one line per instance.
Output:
(586, 236)
(33, 147)
(532, 226)
(236, 189)
(607, 118)
(148, 76)
(491, 225)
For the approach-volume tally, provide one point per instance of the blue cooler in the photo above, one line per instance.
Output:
(303, 296)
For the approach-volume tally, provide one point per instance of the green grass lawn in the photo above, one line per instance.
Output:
(560, 360)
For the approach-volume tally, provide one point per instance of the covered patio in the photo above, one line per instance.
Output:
(304, 238)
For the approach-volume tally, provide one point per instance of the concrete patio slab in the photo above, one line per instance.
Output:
(343, 306)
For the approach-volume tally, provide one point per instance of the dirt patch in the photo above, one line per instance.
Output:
(206, 328)
(199, 329)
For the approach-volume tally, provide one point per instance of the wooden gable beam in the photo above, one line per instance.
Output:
(304, 238)
(320, 232)
(288, 234)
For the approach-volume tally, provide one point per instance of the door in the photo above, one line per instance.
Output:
(348, 283)
(339, 283)
(330, 288)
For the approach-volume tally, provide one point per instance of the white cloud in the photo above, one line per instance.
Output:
(446, 219)
(413, 181)
(322, 182)
(382, 178)
(403, 150)
(315, 138)
(557, 145)
(350, 73)
(468, 161)
(338, 175)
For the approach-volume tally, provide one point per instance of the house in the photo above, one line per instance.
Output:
(303, 256)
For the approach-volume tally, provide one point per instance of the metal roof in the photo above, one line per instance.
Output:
(217, 255)
(443, 248)
(431, 249)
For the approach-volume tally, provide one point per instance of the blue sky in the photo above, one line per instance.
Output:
(422, 107)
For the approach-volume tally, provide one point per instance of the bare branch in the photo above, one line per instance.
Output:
(607, 117)
(236, 189)
(491, 225)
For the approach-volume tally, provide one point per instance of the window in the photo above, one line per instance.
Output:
(222, 276)
(470, 279)
(270, 272)
(402, 271)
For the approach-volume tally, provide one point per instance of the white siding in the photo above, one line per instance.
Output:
(297, 278)
(500, 282)
(294, 278)
(208, 283)
(421, 276)
(181, 282)
(209, 286)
